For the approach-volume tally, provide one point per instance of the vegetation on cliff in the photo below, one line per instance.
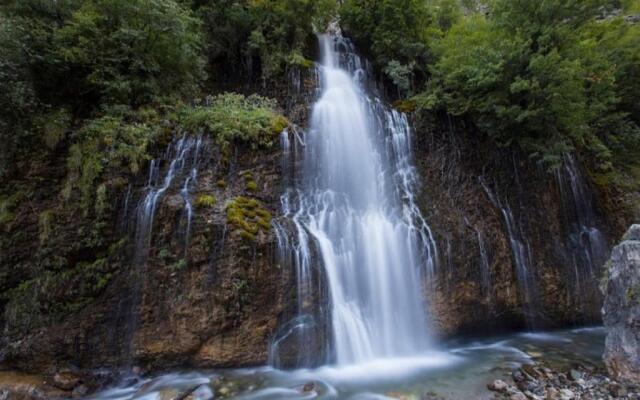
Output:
(91, 89)
(545, 78)
(89, 92)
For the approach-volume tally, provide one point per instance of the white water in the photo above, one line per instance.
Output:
(460, 372)
(523, 260)
(357, 208)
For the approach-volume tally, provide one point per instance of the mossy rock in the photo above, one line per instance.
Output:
(252, 186)
(248, 216)
(405, 106)
(278, 124)
(205, 201)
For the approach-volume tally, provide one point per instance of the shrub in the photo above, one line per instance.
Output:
(109, 145)
(131, 51)
(230, 116)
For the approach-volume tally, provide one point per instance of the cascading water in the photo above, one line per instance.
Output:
(182, 160)
(523, 260)
(587, 245)
(182, 153)
(356, 206)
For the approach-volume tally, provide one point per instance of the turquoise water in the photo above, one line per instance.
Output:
(460, 369)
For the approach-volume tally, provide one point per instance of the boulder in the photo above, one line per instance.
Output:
(621, 310)
(66, 380)
(498, 385)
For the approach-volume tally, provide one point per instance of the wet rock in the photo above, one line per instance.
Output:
(617, 390)
(202, 392)
(554, 385)
(498, 386)
(66, 380)
(575, 374)
(168, 394)
(621, 309)
(16, 386)
(518, 376)
(309, 387)
(532, 371)
(80, 391)
(518, 396)
(553, 394)
(566, 394)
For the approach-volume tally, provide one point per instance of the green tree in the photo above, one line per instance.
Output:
(131, 51)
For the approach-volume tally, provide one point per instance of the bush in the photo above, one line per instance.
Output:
(229, 117)
(131, 51)
(262, 36)
(530, 74)
(107, 147)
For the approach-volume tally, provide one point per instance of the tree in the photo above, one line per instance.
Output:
(131, 51)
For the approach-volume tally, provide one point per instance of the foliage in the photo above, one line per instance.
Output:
(230, 116)
(130, 51)
(398, 33)
(17, 92)
(54, 294)
(205, 201)
(118, 141)
(542, 76)
(262, 36)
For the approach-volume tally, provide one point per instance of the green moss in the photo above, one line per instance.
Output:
(45, 221)
(247, 235)
(405, 106)
(278, 124)
(248, 217)
(53, 294)
(179, 265)
(264, 224)
(295, 58)
(633, 294)
(252, 186)
(221, 183)
(205, 201)
(7, 206)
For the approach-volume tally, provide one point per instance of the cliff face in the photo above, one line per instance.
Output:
(517, 247)
(209, 297)
(621, 310)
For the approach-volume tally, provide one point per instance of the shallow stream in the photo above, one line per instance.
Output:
(460, 370)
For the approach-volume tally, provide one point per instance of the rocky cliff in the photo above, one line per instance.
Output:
(517, 246)
(621, 310)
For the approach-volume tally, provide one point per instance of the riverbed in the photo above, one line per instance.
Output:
(457, 370)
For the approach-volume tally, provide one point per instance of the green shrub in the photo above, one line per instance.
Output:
(205, 201)
(233, 117)
(109, 145)
(132, 51)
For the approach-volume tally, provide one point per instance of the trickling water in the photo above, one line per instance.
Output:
(523, 260)
(587, 245)
(178, 154)
(181, 153)
(356, 206)
(485, 267)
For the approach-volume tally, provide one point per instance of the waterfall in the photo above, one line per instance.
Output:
(181, 154)
(522, 258)
(587, 245)
(485, 267)
(179, 161)
(355, 207)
